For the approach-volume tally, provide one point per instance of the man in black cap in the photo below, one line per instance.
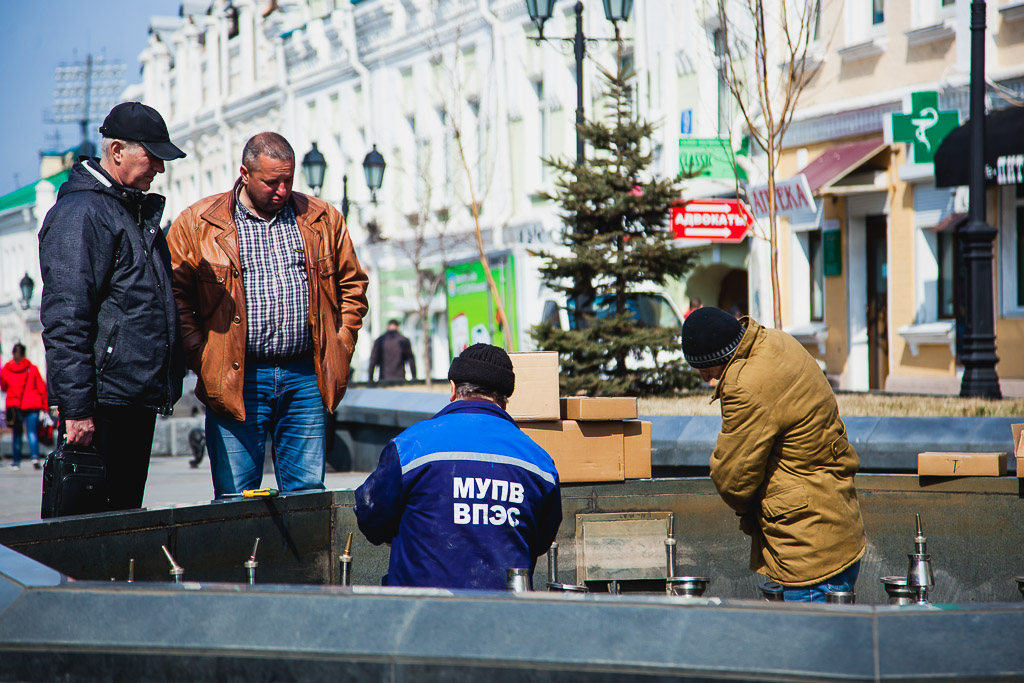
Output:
(110, 322)
(465, 495)
(782, 460)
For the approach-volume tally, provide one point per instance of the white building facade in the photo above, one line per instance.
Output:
(457, 96)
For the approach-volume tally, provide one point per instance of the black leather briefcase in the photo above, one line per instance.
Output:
(74, 482)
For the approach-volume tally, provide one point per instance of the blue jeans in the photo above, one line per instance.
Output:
(843, 581)
(30, 423)
(281, 400)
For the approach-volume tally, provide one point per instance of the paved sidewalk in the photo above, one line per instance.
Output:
(171, 482)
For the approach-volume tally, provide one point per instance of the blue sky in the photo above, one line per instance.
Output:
(35, 37)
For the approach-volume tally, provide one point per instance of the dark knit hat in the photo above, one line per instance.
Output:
(710, 337)
(486, 366)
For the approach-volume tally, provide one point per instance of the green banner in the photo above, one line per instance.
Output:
(709, 158)
(472, 313)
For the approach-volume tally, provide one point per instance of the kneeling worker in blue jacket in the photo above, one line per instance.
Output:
(465, 495)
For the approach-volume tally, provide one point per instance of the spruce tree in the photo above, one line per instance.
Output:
(615, 214)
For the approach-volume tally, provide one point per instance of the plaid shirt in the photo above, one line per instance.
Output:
(275, 282)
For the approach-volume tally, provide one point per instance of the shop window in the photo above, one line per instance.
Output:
(1011, 250)
(816, 284)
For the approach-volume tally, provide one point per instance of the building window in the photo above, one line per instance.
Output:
(1020, 248)
(816, 271)
(816, 22)
(877, 12)
(946, 262)
(724, 93)
(544, 123)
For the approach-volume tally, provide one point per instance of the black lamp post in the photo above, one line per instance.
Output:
(314, 166)
(614, 10)
(28, 285)
(344, 197)
(979, 339)
(373, 168)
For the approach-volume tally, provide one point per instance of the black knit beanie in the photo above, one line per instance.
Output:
(710, 337)
(486, 366)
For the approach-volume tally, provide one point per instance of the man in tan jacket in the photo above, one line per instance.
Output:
(271, 296)
(782, 460)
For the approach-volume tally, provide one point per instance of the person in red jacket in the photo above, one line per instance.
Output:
(26, 396)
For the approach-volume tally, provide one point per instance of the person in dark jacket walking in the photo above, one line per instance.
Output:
(26, 396)
(465, 495)
(110, 323)
(391, 353)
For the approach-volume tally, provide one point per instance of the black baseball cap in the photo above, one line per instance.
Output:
(136, 122)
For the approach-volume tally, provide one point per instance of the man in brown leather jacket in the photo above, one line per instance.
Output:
(782, 461)
(271, 297)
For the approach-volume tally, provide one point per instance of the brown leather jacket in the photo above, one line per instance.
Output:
(211, 301)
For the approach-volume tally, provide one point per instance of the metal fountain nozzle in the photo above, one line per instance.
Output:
(919, 568)
(176, 569)
(251, 564)
(920, 542)
(553, 563)
(346, 562)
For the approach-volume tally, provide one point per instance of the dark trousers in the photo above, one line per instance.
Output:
(124, 439)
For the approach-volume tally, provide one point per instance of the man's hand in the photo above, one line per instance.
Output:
(79, 432)
(748, 523)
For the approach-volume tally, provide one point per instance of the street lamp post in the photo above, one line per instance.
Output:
(614, 10)
(979, 339)
(27, 286)
(344, 197)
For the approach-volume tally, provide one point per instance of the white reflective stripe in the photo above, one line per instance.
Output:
(99, 176)
(479, 457)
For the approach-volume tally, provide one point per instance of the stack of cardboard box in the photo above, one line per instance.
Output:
(590, 439)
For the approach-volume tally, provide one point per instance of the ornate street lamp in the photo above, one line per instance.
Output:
(614, 10)
(373, 167)
(979, 338)
(314, 166)
(28, 285)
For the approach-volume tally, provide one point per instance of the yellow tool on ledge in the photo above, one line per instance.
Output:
(259, 493)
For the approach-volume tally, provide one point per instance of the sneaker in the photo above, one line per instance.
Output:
(15, 467)
(36, 464)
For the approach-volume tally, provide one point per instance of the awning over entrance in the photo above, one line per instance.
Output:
(1004, 151)
(845, 169)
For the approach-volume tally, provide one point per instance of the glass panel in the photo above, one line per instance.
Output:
(1020, 254)
(647, 310)
(947, 308)
(817, 274)
(877, 12)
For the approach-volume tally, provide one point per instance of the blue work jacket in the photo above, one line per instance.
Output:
(461, 497)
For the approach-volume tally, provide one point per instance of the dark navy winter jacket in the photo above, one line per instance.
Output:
(461, 497)
(110, 322)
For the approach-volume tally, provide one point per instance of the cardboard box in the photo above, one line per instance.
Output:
(536, 394)
(599, 408)
(582, 451)
(636, 445)
(961, 464)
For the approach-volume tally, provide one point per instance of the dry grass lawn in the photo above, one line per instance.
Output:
(851, 404)
(856, 404)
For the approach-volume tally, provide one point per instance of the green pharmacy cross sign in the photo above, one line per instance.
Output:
(925, 126)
